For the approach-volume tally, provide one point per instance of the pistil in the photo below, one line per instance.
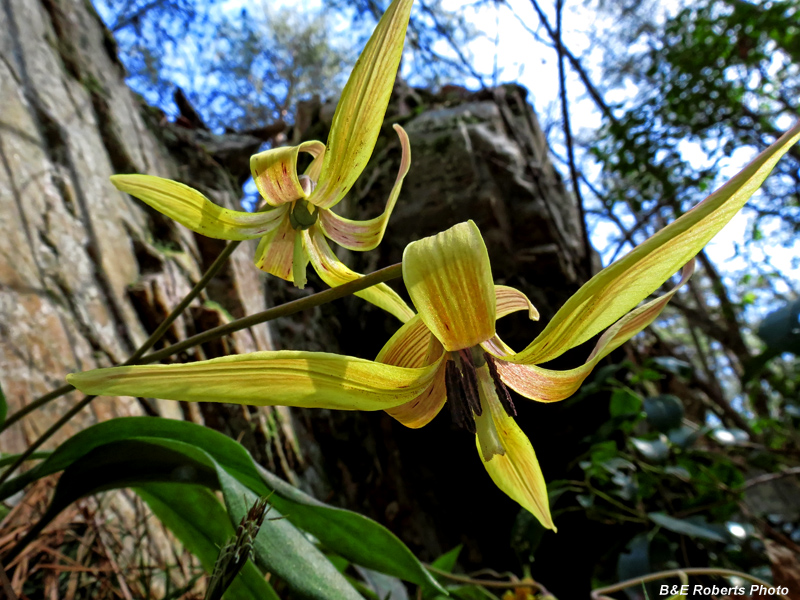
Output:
(304, 214)
(476, 394)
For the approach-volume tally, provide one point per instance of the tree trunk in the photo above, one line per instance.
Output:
(88, 272)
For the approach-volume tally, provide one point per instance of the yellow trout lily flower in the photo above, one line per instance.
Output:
(450, 351)
(298, 216)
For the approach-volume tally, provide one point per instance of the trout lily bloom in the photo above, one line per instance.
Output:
(450, 351)
(298, 215)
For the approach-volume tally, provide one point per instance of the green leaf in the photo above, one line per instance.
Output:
(655, 450)
(279, 547)
(115, 465)
(684, 527)
(349, 534)
(447, 561)
(385, 587)
(664, 412)
(685, 437)
(674, 365)
(10, 459)
(199, 521)
(624, 403)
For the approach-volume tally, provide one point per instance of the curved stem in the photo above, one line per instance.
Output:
(284, 310)
(290, 308)
(148, 343)
(599, 594)
(500, 585)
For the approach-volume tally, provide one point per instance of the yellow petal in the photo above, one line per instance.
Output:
(449, 279)
(275, 251)
(545, 385)
(510, 300)
(366, 235)
(275, 172)
(421, 410)
(414, 346)
(306, 379)
(333, 272)
(192, 209)
(517, 471)
(362, 107)
(619, 287)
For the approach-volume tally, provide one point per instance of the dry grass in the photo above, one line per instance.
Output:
(105, 547)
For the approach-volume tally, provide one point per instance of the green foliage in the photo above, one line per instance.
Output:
(651, 469)
(201, 523)
(141, 452)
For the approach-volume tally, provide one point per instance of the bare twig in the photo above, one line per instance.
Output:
(573, 170)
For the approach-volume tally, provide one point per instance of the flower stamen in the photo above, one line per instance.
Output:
(456, 398)
(502, 391)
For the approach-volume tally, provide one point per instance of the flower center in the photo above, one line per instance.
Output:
(304, 214)
(474, 391)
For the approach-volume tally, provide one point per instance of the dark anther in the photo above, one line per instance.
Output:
(456, 399)
(470, 379)
(500, 387)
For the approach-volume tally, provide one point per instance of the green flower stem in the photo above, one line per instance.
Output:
(148, 343)
(290, 308)
(599, 594)
(284, 310)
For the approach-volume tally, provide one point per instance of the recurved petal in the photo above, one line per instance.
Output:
(275, 251)
(317, 149)
(366, 235)
(622, 285)
(517, 472)
(449, 279)
(333, 272)
(510, 300)
(275, 172)
(192, 209)
(421, 410)
(545, 385)
(306, 379)
(359, 114)
(413, 345)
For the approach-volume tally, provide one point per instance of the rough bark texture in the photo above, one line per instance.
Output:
(86, 272)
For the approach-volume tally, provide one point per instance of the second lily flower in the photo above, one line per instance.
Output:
(298, 216)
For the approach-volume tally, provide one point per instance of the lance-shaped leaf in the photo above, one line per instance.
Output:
(362, 107)
(192, 209)
(305, 379)
(622, 285)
